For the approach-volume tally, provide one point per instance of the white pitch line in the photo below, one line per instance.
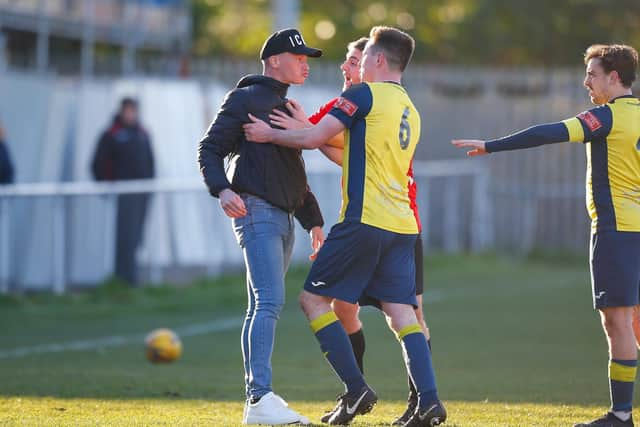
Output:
(431, 296)
(119, 340)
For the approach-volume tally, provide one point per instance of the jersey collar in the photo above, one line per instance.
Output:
(621, 96)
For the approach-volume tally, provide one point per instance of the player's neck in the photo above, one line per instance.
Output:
(617, 92)
(389, 76)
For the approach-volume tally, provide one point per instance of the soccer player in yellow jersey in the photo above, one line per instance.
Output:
(611, 133)
(333, 150)
(368, 256)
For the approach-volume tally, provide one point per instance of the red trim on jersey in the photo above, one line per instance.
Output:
(590, 120)
(347, 107)
(318, 115)
(413, 194)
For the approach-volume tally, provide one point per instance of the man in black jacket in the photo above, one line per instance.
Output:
(267, 189)
(124, 153)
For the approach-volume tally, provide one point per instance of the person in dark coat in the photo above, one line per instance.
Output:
(124, 153)
(6, 167)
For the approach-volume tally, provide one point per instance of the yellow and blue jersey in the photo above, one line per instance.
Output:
(383, 130)
(612, 132)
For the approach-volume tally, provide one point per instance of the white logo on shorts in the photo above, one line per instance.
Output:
(317, 284)
(600, 294)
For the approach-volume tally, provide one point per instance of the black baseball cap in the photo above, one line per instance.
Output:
(287, 40)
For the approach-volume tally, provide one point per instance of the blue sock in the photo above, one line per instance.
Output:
(336, 347)
(622, 375)
(412, 387)
(417, 357)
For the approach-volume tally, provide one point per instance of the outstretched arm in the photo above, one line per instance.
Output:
(534, 136)
(309, 138)
(477, 146)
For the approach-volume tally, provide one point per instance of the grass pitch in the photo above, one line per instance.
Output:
(515, 343)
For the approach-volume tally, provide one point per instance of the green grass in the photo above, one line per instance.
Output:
(515, 343)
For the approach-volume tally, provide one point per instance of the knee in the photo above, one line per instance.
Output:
(313, 305)
(617, 322)
(348, 315)
(250, 310)
(636, 319)
(397, 322)
(305, 301)
(422, 322)
(399, 316)
(271, 305)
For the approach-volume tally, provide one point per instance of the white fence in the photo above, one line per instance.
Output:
(536, 196)
(56, 236)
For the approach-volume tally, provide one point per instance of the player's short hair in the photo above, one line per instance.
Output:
(615, 57)
(396, 45)
(358, 44)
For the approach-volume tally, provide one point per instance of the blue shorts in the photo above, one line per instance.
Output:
(615, 269)
(365, 264)
(419, 255)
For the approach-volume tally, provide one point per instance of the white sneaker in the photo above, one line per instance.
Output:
(271, 409)
(244, 411)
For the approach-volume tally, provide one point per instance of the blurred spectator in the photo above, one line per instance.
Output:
(124, 153)
(6, 167)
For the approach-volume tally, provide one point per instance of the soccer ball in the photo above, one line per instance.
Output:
(162, 346)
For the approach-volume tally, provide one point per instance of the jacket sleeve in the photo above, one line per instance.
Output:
(151, 161)
(6, 167)
(222, 138)
(309, 214)
(102, 164)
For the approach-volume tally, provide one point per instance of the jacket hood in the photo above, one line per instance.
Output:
(258, 79)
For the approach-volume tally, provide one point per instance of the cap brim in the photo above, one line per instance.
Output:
(309, 51)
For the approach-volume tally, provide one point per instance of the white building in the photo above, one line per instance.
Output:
(92, 36)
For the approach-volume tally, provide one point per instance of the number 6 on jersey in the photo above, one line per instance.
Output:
(405, 130)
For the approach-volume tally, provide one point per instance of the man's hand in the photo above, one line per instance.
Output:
(232, 204)
(478, 146)
(317, 240)
(296, 110)
(297, 119)
(257, 130)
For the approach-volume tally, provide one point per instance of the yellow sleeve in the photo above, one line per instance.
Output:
(574, 127)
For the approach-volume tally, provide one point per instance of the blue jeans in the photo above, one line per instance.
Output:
(266, 236)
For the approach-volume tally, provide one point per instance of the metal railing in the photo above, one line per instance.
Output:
(59, 192)
(450, 213)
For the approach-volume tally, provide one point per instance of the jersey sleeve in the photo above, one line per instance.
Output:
(353, 105)
(591, 125)
(318, 115)
(549, 133)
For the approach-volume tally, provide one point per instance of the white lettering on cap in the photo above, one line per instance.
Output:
(296, 40)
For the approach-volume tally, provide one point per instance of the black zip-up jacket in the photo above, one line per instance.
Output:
(123, 152)
(273, 173)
